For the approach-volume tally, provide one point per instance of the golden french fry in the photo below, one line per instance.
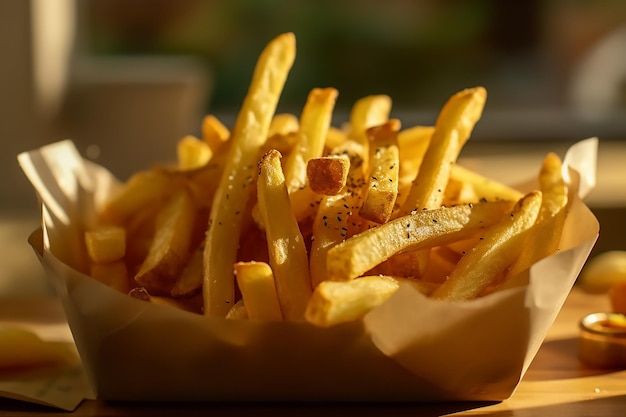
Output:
(214, 133)
(368, 112)
(335, 302)
(384, 168)
(494, 253)
(314, 123)
(452, 129)
(484, 188)
(204, 181)
(309, 141)
(192, 153)
(423, 229)
(258, 290)
(238, 311)
(191, 304)
(334, 138)
(143, 189)
(459, 192)
(336, 217)
(231, 197)
(283, 124)
(412, 143)
(169, 250)
(327, 175)
(282, 143)
(189, 281)
(553, 186)
(304, 203)
(441, 262)
(106, 243)
(543, 238)
(287, 250)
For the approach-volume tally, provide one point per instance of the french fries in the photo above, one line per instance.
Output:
(230, 200)
(423, 229)
(258, 290)
(290, 218)
(288, 256)
(382, 190)
(169, 250)
(495, 252)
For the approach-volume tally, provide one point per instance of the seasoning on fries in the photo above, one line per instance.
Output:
(290, 218)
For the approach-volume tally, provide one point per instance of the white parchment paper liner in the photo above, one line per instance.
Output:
(409, 349)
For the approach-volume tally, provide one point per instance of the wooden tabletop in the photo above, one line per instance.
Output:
(557, 383)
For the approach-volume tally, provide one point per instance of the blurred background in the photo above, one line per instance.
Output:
(126, 79)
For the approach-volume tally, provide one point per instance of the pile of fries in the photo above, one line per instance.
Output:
(290, 218)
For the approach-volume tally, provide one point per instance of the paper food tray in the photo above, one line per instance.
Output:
(410, 348)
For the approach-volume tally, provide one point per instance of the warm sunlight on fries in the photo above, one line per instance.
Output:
(285, 217)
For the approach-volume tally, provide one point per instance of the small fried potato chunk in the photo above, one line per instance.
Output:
(258, 290)
(106, 244)
(495, 252)
(233, 193)
(192, 153)
(287, 250)
(423, 229)
(327, 175)
(384, 169)
(169, 249)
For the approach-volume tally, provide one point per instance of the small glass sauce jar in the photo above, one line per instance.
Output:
(603, 340)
